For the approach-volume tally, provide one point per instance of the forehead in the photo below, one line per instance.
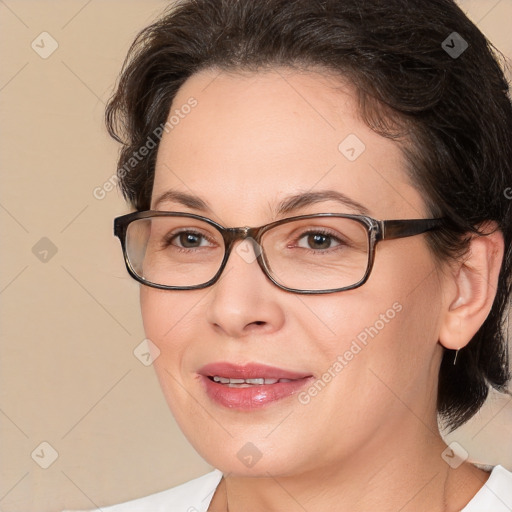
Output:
(253, 138)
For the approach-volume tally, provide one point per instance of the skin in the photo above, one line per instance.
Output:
(369, 439)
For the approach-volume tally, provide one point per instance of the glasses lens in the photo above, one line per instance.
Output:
(174, 251)
(316, 254)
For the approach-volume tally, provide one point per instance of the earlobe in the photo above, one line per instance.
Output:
(472, 289)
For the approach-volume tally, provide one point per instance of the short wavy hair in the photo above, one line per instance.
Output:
(451, 108)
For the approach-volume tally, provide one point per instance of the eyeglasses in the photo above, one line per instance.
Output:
(319, 253)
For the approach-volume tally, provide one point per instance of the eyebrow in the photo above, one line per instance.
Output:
(302, 200)
(287, 205)
(183, 198)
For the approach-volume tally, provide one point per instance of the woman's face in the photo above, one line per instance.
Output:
(363, 362)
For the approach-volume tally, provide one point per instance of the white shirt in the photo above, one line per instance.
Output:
(196, 495)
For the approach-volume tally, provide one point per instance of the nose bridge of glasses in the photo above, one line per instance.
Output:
(249, 248)
(232, 235)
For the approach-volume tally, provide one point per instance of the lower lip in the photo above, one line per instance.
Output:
(253, 397)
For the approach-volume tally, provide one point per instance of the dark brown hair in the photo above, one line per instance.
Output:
(414, 83)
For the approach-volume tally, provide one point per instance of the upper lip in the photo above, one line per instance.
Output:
(249, 371)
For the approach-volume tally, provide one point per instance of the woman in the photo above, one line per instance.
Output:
(309, 357)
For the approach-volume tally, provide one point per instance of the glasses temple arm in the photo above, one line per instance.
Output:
(403, 228)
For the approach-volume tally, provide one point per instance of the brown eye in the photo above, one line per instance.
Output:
(317, 241)
(189, 240)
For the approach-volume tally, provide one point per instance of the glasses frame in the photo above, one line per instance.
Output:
(377, 230)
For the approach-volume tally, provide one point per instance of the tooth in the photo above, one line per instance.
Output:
(244, 385)
(256, 381)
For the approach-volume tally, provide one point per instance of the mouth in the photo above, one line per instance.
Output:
(249, 372)
(250, 386)
(246, 383)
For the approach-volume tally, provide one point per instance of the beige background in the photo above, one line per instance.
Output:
(69, 324)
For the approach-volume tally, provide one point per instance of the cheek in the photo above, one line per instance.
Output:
(402, 350)
(165, 311)
(389, 324)
(165, 314)
(382, 346)
(155, 314)
(347, 333)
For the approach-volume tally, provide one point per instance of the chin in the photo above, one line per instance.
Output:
(249, 456)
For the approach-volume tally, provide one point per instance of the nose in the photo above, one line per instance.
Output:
(244, 301)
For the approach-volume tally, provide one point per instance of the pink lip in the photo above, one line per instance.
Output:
(249, 371)
(253, 397)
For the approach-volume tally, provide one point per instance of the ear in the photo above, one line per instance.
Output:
(472, 288)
